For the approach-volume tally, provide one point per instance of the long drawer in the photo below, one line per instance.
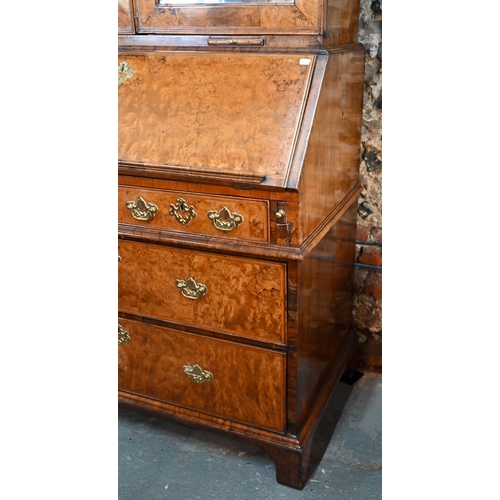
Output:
(221, 378)
(239, 296)
(195, 213)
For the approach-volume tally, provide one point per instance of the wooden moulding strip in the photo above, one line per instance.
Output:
(311, 96)
(197, 330)
(204, 242)
(315, 83)
(274, 44)
(195, 175)
(200, 419)
(254, 192)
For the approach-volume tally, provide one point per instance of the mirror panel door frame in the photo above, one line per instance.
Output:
(295, 18)
(125, 17)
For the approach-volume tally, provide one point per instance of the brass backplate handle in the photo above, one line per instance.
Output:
(182, 212)
(197, 373)
(141, 210)
(190, 289)
(123, 336)
(224, 220)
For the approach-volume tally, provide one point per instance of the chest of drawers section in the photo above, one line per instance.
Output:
(237, 201)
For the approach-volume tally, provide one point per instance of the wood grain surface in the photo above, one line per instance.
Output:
(342, 21)
(226, 113)
(331, 164)
(325, 280)
(125, 17)
(245, 297)
(247, 384)
(272, 132)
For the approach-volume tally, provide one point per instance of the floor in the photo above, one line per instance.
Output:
(159, 459)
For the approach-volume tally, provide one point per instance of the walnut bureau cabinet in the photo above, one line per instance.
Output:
(238, 156)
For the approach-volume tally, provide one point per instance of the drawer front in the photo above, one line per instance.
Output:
(219, 216)
(233, 295)
(242, 383)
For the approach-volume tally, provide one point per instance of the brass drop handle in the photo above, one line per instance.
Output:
(123, 335)
(224, 220)
(190, 289)
(141, 210)
(197, 373)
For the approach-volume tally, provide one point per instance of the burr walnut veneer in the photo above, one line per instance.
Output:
(239, 132)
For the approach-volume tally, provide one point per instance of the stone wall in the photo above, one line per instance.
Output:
(368, 276)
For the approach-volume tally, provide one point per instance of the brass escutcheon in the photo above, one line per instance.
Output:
(141, 210)
(223, 220)
(186, 213)
(197, 373)
(123, 335)
(190, 289)
(124, 70)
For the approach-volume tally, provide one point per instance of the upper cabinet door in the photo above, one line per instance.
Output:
(125, 17)
(230, 16)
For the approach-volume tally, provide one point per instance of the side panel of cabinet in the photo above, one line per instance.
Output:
(331, 167)
(342, 19)
(321, 313)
